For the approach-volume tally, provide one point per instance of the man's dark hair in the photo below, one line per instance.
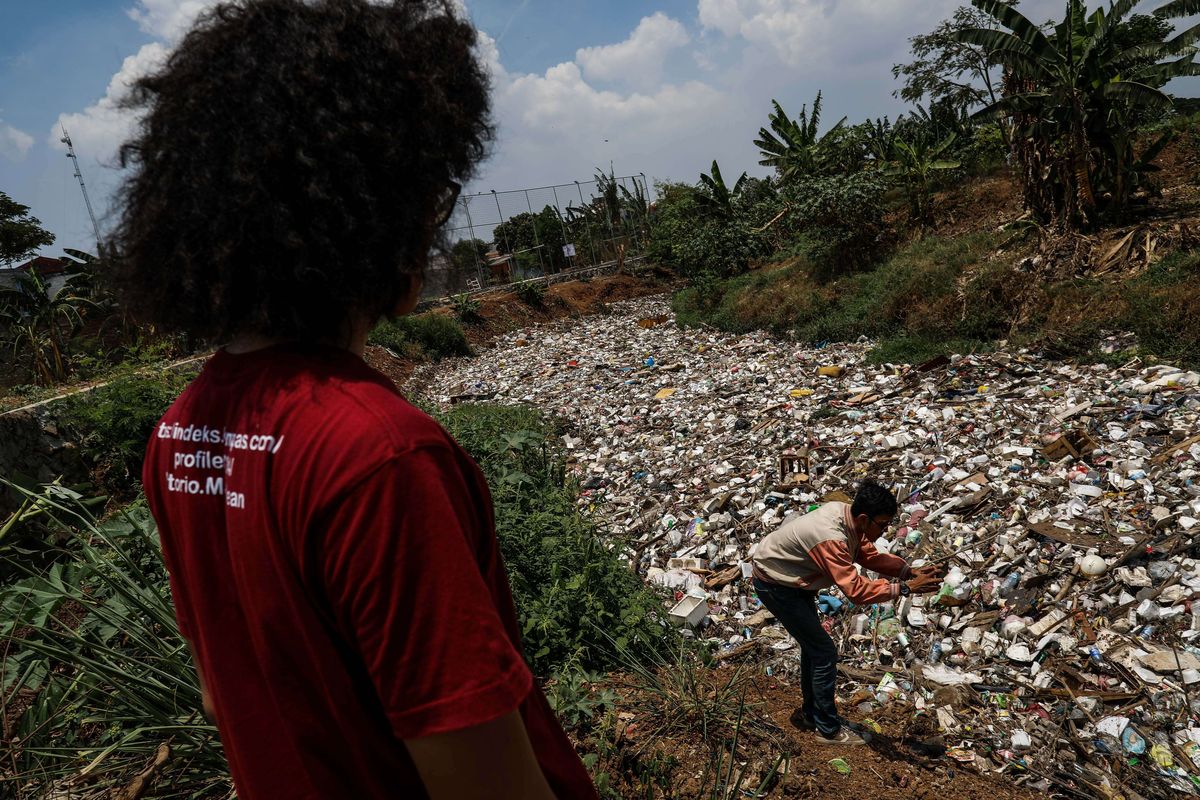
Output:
(290, 163)
(873, 499)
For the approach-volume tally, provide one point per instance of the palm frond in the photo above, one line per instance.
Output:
(1027, 32)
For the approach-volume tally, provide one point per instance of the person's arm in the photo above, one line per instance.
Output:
(492, 760)
(401, 562)
(884, 563)
(206, 701)
(833, 558)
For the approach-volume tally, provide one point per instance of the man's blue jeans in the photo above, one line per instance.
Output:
(797, 610)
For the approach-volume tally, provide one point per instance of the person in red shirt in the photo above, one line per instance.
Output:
(331, 550)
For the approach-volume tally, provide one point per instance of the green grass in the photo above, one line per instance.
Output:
(578, 603)
(113, 423)
(940, 295)
(905, 349)
(432, 336)
(894, 300)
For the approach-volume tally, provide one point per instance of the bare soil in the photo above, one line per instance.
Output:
(503, 312)
(903, 761)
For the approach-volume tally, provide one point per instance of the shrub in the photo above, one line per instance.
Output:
(113, 423)
(431, 335)
(842, 218)
(390, 333)
(984, 150)
(466, 307)
(532, 293)
(698, 245)
(577, 601)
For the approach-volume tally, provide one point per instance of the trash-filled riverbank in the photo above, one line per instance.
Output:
(1063, 646)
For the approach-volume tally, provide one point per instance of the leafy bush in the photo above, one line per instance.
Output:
(842, 218)
(532, 293)
(466, 307)
(113, 423)
(575, 698)
(577, 602)
(694, 243)
(431, 335)
(984, 150)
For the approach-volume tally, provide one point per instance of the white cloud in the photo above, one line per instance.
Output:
(811, 33)
(167, 19)
(14, 143)
(100, 128)
(488, 52)
(639, 59)
(560, 125)
(563, 99)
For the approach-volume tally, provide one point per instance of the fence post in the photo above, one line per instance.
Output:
(474, 250)
(586, 222)
(507, 244)
(536, 242)
(561, 224)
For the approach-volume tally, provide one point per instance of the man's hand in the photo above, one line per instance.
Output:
(924, 582)
(936, 570)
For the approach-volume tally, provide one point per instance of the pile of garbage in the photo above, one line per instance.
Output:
(1064, 645)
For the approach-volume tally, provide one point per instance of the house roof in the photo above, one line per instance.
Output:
(44, 265)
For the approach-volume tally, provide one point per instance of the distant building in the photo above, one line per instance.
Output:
(52, 271)
(500, 266)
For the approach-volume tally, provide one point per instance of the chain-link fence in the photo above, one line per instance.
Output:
(502, 237)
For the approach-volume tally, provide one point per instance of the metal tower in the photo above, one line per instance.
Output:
(66, 139)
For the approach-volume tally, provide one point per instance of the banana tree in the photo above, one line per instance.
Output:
(36, 324)
(793, 147)
(1072, 93)
(635, 212)
(915, 166)
(881, 138)
(715, 197)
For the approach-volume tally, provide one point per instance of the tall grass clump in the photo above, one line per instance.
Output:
(90, 644)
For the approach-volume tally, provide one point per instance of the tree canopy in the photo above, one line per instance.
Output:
(20, 234)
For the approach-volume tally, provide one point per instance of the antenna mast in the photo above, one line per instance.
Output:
(66, 139)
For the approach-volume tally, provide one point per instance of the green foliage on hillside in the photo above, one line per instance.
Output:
(942, 295)
(433, 336)
(112, 424)
(577, 601)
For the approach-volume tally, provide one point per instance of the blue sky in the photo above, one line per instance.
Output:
(660, 87)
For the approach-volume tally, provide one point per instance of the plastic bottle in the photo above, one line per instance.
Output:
(1010, 583)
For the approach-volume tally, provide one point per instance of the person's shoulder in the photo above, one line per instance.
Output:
(373, 413)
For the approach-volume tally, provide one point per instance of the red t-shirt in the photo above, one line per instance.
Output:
(334, 564)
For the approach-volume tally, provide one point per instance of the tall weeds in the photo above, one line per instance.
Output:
(90, 652)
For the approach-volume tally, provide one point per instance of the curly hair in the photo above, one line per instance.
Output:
(873, 499)
(289, 164)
